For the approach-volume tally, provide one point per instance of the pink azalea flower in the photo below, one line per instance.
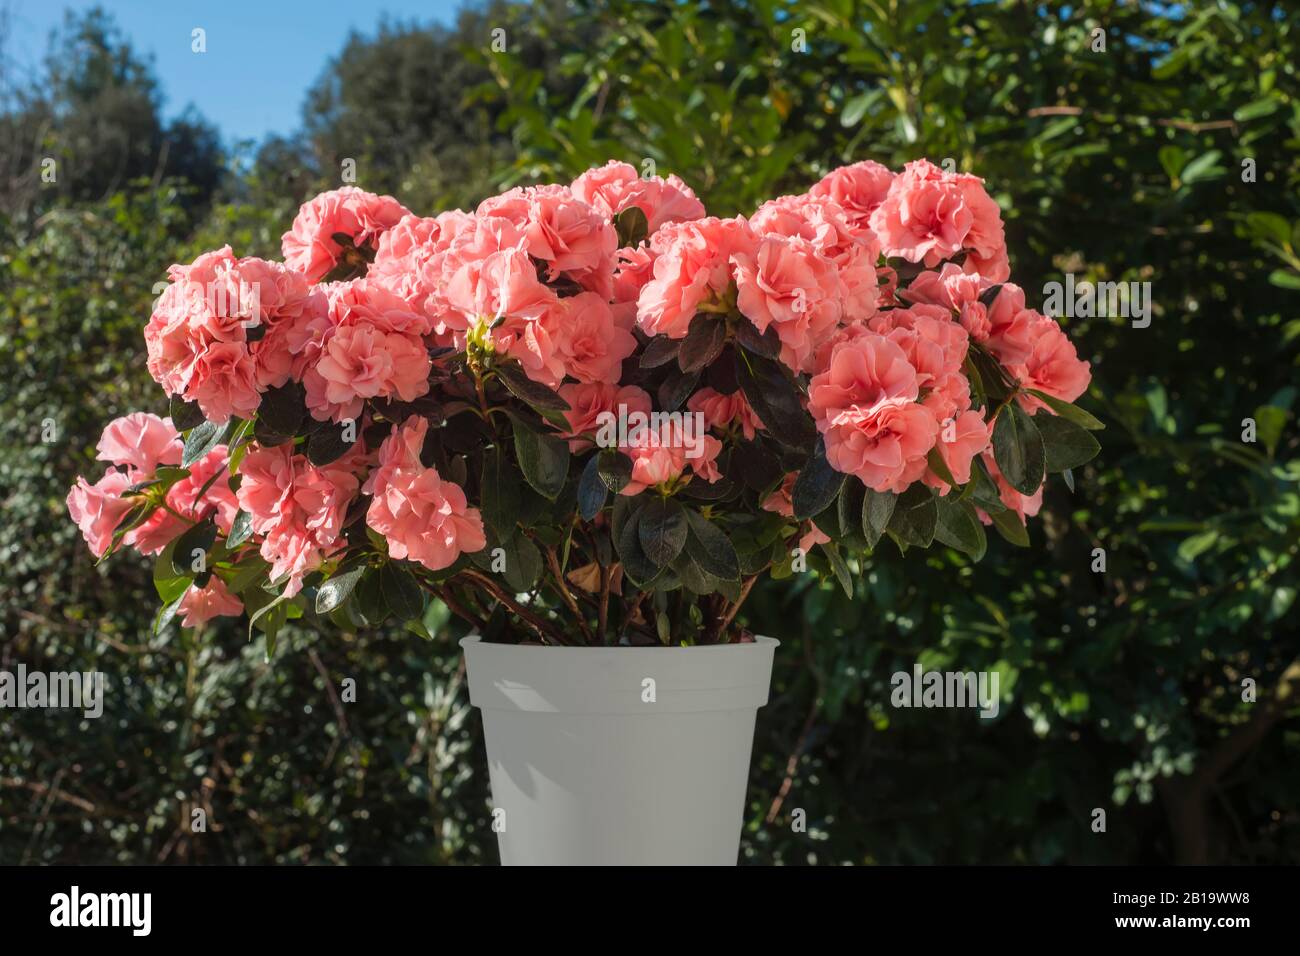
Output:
(614, 187)
(561, 230)
(297, 508)
(788, 285)
(423, 517)
(587, 339)
(221, 332)
(98, 509)
(692, 267)
(864, 404)
(720, 410)
(200, 605)
(590, 402)
(309, 245)
(960, 440)
(1053, 366)
(140, 442)
(857, 189)
(663, 454)
(930, 215)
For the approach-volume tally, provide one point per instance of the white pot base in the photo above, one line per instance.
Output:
(611, 756)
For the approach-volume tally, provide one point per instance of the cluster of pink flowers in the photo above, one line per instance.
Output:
(872, 288)
(136, 446)
(227, 329)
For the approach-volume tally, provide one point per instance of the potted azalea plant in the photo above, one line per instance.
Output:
(587, 418)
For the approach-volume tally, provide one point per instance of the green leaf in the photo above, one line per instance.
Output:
(662, 530)
(334, 592)
(1018, 449)
(676, 388)
(857, 107)
(269, 619)
(763, 344)
(283, 410)
(877, 510)
(1192, 548)
(543, 459)
(368, 600)
(637, 567)
(1255, 109)
(940, 467)
(615, 469)
(848, 512)
(703, 343)
(197, 537)
(241, 529)
(838, 567)
(167, 613)
(1009, 525)
(1203, 167)
(402, 592)
(170, 583)
(711, 548)
(1269, 423)
(499, 492)
(592, 491)
(1172, 158)
(1284, 280)
(326, 443)
(915, 516)
(1271, 227)
(660, 350)
(983, 490)
(201, 440)
(958, 527)
(632, 227)
(525, 389)
(817, 485)
(775, 399)
(523, 563)
(1073, 412)
(693, 577)
(1065, 444)
(184, 415)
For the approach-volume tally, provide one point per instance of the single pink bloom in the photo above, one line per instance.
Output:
(788, 285)
(200, 605)
(309, 245)
(720, 411)
(423, 517)
(858, 189)
(140, 442)
(98, 509)
(614, 187)
(864, 404)
(588, 341)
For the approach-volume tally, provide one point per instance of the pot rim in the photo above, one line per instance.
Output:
(759, 641)
(611, 680)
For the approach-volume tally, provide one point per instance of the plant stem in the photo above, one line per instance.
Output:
(731, 612)
(544, 630)
(558, 573)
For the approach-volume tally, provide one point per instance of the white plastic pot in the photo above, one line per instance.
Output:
(618, 755)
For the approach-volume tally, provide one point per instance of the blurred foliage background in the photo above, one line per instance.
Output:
(1126, 141)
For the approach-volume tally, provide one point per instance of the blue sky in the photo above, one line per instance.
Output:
(260, 59)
